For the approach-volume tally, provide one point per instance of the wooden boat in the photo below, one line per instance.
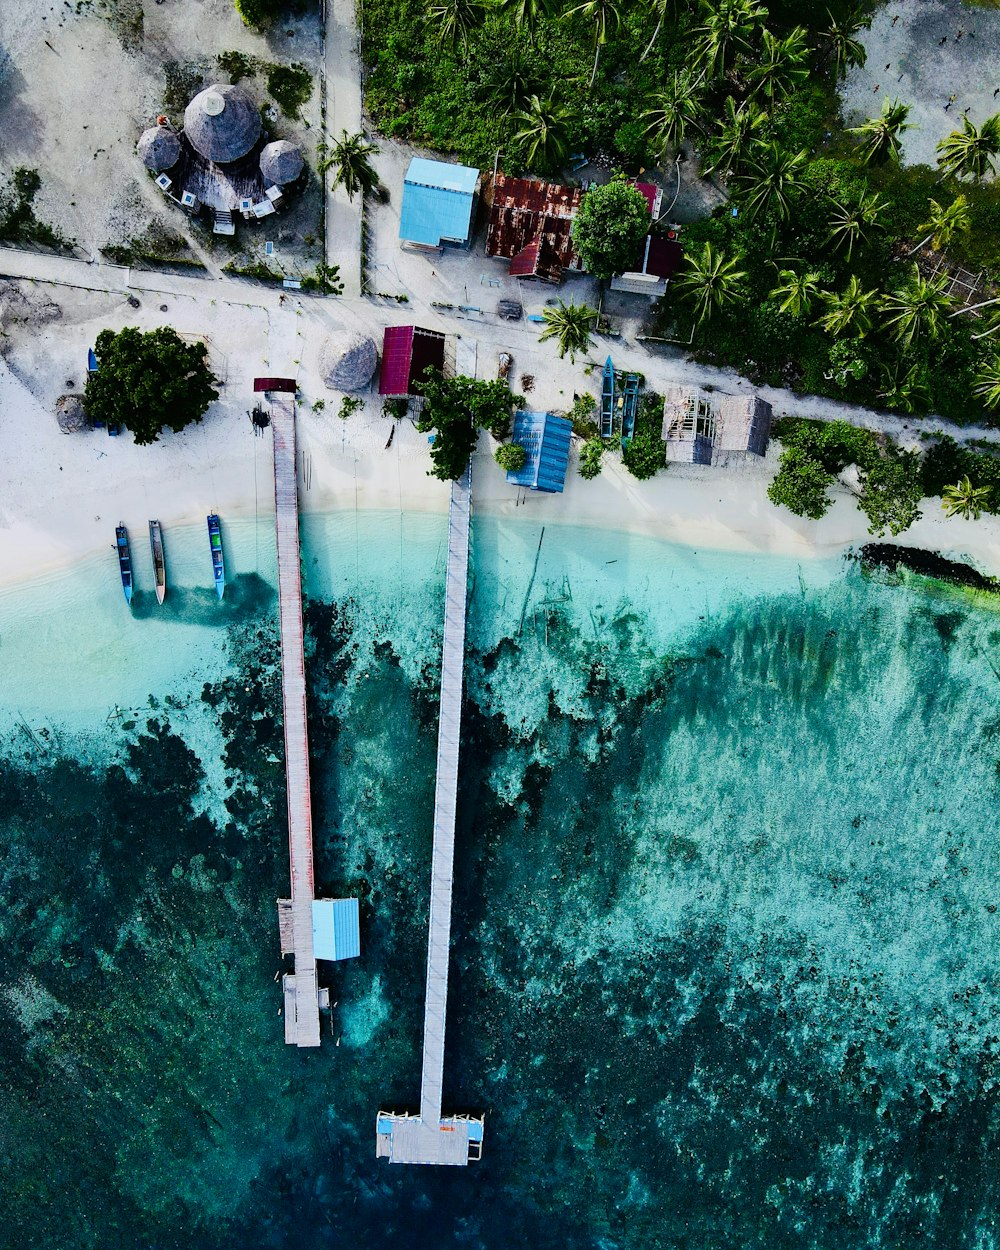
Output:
(124, 561)
(218, 559)
(159, 564)
(631, 404)
(608, 399)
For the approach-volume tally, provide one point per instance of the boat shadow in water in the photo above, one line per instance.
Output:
(246, 595)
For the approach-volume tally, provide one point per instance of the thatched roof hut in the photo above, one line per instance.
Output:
(281, 162)
(347, 361)
(71, 414)
(158, 148)
(222, 123)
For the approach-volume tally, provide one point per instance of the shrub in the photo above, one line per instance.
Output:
(259, 14)
(511, 457)
(325, 281)
(290, 86)
(609, 227)
(237, 65)
(646, 453)
(582, 416)
(801, 483)
(891, 491)
(348, 405)
(590, 458)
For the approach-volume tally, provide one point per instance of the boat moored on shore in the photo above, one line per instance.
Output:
(218, 559)
(124, 561)
(159, 564)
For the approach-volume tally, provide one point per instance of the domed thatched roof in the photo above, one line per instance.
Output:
(348, 361)
(158, 148)
(222, 123)
(71, 414)
(281, 162)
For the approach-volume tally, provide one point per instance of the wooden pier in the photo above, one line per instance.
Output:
(427, 1137)
(301, 991)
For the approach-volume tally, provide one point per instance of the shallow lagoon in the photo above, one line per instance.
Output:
(725, 933)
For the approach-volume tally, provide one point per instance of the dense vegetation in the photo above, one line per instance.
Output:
(456, 409)
(148, 382)
(18, 223)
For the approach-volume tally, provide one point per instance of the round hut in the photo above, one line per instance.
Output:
(347, 361)
(281, 162)
(158, 148)
(71, 414)
(222, 123)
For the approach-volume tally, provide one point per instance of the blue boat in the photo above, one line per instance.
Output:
(91, 360)
(218, 559)
(631, 404)
(124, 561)
(608, 399)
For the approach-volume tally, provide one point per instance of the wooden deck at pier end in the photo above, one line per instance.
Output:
(427, 1137)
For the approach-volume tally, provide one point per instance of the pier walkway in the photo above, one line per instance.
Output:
(426, 1137)
(301, 991)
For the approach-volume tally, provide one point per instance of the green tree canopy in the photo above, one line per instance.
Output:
(148, 382)
(801, 484)
(610, 226)
(511, 457)
(456, 409)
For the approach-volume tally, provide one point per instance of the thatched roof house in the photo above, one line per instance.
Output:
(71, 414)
(347, 361)
(222, 123)
(281, 162)
(158, 148)
(745, 424)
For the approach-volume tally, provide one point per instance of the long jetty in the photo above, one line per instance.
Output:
(428, 1137)
(301, 990)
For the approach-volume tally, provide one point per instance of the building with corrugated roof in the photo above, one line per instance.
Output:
(546, 440)
(439, 204)
(406, 352)
(530, 224)
(656, 264)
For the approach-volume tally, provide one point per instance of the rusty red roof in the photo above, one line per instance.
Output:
(406, 352)
(530, 223)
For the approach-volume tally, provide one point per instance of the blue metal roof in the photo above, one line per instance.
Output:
(546, 440)
(336, 928)
(437, 202)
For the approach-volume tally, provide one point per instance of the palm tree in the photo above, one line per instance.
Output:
(454, 19)
(661, 9)
(728, 32)
(543, 133)
(905, 389)
(969, 152)
(516, 80)
(673, 111)
(350, 156)
(796, 292)
(944, 223)
(710, 281)
(882, 133)
(917, 308)
(526, 13)
(773, 179)
(965, 500)
(741, 131)
(603, 13)
(987, 387)
(850, 309)
(840, 42)
(781, 66)
(570, 325)
(850, 223)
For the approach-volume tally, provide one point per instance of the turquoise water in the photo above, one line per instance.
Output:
(726, 908)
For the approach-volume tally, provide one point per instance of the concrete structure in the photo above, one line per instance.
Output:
(428, 1137)
(700, 427)
(546, 441)
(439, 202)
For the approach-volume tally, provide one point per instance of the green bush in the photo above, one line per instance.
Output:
(511, 457)
(455, 409)
(609, 227)
(290, 86)
(582, 416)
(237, 65)
(260, 14)
(801, 484)
(891, 491)
(591, 454)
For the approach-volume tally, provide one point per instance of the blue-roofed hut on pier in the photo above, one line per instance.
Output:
(545, 439)
(439, 201)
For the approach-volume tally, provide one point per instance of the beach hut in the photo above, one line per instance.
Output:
(347, 361)
(689, 425)
(744, 424)
(438, 206)
(281, 162)
(158, 148)
(222, 123)
(406, 352)
(545, 439)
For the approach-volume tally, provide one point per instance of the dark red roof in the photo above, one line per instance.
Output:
(663, 258)
(648, 192)
(524, 264)
(275, 384)
(406, 352)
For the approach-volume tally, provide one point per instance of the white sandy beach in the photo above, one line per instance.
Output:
(61, 495)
